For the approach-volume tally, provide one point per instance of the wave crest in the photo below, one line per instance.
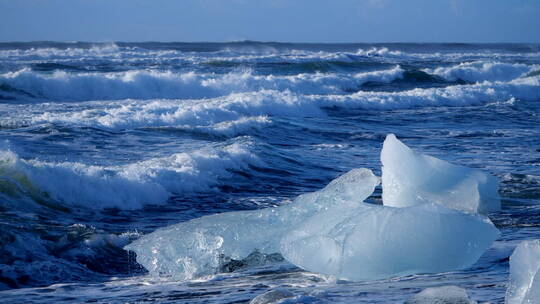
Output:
(482, 71)
(142, 84)
(129, 186)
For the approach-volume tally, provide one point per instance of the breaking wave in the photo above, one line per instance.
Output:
(249, 51)
(482, 71)
(453, 96)
(128, 186)
(154, 84)
(238, 113)
(142, 84)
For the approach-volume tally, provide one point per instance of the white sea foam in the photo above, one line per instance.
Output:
(481, 71)
(109, 51)
(48, 52)
(93, 86)
(458, 95)
(224, 115)
(129, 186)
(384, 53)
(153, 84)
(143, 84)
(246, 54)
(238, 113)
(379, 52)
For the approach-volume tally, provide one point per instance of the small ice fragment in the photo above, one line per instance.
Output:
(272, 296)
(441, 295)
(524, 285)
(411, 178)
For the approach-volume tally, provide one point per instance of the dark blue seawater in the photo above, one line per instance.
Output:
(103, 143)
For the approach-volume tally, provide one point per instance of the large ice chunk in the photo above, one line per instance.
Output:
(329, 231)
(410, 178)
(524, 285)
(202, 246)
(367, 242)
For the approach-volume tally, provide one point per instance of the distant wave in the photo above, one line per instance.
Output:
(450, 56)
(70, 51)
(481, 71)
(142, 84)
(238, 113)
(154, 84)
(241, 52)
(458, 95)
(130, 186)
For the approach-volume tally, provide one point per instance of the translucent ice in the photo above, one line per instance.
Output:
(441, 295)
(204, 245)
(329, 231)
(366, 242)
(524, 285)
(410, 178)
(273, 296)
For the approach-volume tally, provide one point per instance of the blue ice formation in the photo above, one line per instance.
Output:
(332, 231)
(410, 178)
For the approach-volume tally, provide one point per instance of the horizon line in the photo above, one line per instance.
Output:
(263, 42)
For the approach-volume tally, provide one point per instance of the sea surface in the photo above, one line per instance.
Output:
(101, 143)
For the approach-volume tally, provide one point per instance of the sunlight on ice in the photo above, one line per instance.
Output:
(205, 245)
(524, 285)
(410, 178)
(367, 242)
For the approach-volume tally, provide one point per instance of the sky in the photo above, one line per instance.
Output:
(271, 20)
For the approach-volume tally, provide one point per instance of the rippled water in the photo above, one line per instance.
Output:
(101, 143)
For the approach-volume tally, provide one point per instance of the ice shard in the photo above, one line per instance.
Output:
(524, 285)
(410, 178)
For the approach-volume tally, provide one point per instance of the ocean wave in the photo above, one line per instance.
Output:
(384, 53)
(453, 96)
(482, 71)
(224, 115)
(91, 51)
(112, 51)
(239, 113)
(372, 54)
(128, 186)
(143, 84)
(521, 186)
(94, 86)
(261, 53)
(48, 52)
(31, 255)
